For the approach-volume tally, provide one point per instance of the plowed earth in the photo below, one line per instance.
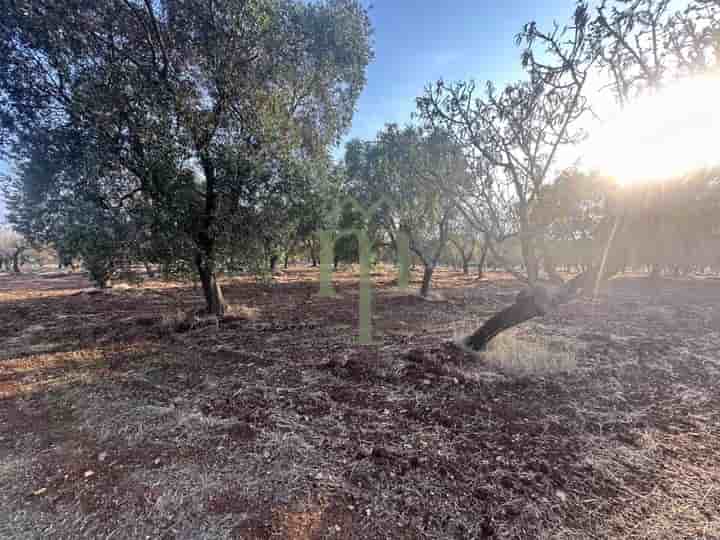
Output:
(123, 415)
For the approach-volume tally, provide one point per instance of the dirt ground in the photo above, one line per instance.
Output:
(124, 416)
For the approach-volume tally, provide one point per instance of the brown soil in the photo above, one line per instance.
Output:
(124, 414)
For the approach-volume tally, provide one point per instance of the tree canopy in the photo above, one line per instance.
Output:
(187, 118)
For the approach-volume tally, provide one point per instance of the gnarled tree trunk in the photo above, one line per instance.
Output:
(426, 280)
(17, 255)
(214, 299)
(483, 258)
(529, 303)
(16, 263)
(538, 300)
(205, 241)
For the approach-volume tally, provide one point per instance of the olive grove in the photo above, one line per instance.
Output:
(176, 128)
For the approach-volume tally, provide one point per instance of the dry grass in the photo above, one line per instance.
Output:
(520, 352)
(536, 355)
(581, 425)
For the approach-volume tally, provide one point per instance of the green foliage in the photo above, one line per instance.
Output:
(13, 249)
(194, 121)
(351, 220)
(410, 176)
(406, 182)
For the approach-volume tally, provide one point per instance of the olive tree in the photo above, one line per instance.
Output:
(194, 111)
(409, 174)
(12, 248)
(639, 45)
(513, 136)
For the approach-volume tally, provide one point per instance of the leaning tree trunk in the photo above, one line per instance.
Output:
(538, 299)
(532, 302)
(529, 303)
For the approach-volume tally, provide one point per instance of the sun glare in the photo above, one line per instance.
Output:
(665, 135)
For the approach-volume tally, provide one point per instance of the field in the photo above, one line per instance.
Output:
(122, 415)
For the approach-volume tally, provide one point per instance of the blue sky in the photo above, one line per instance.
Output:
(420, 41)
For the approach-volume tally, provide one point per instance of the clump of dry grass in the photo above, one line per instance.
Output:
(243, 311)
(513, 354)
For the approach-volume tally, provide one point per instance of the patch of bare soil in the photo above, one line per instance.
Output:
(125, 414)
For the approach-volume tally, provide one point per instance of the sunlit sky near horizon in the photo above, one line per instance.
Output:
(418, 41)
(664, 135)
